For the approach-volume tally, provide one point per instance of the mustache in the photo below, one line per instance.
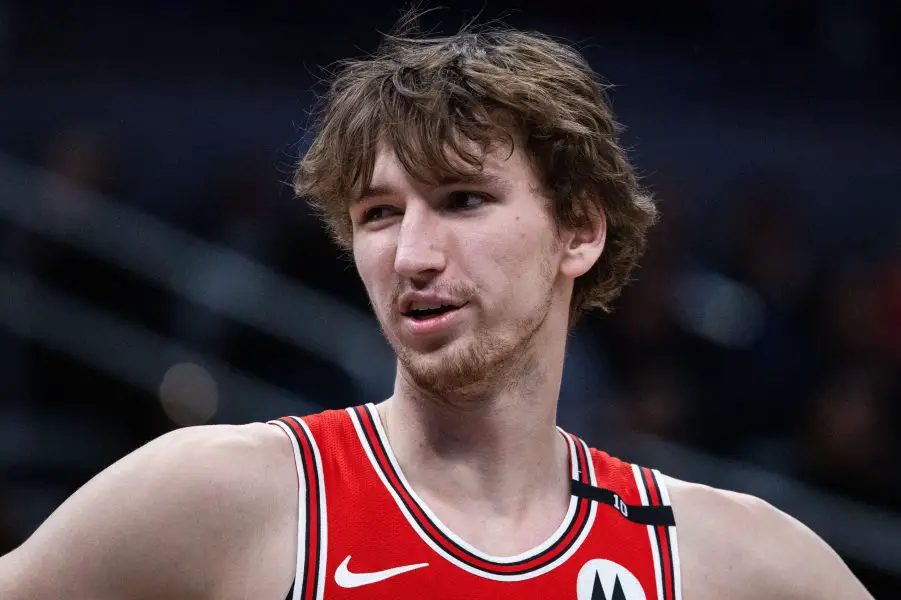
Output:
(453, 289)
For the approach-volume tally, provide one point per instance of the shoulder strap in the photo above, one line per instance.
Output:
(644, 515)
(309, 579)
(664, 545)
(649, 505)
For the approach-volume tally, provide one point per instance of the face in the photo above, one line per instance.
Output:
(462, 277)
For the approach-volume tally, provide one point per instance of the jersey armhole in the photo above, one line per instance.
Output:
(300, 562)
(674, 540)
(663, 539)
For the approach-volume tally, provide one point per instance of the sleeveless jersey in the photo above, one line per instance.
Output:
(364, 534)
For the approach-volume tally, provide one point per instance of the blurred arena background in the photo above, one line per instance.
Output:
(157, 273)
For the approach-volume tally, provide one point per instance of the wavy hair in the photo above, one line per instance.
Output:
(441, 102)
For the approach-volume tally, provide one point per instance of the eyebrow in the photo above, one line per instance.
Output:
(481, 179)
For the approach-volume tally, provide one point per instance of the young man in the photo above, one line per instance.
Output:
(478, 182)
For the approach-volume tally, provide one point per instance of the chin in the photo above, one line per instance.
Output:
(468, 366)
(446, 368)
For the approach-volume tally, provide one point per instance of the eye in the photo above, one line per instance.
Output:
(376, 213)
(463, 200)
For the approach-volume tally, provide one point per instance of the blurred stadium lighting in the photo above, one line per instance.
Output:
(189, 394)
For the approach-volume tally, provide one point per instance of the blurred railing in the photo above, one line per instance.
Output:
(161, 254)
(128, 352)
(168, 257)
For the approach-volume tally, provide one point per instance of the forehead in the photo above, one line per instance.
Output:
(500, 165)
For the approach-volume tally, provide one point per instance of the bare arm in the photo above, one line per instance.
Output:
(738, 546)
(192, 515)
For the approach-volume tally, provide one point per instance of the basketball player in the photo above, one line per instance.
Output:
(478, 183)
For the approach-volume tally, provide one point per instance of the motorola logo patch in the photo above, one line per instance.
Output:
(601, 579)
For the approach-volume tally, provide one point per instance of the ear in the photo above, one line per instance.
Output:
(584, 245)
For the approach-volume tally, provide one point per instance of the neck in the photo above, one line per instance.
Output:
(499, 450)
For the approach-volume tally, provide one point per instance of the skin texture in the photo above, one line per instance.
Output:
(489, 244)
(471, 422)
(472, 416)
(738, 546)
(203, 512)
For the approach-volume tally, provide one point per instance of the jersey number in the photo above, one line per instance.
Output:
(619, 505)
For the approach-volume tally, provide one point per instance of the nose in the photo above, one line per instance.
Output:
(419, 255)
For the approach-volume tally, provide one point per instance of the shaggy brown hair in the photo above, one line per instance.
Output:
(430, 98)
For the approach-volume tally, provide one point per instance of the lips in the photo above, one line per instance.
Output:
(430, 314)
(430, 325)
(419, 305)
(427, 312)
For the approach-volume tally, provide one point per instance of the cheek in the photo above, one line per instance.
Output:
(530, 249)
(369, 261)
(522, 262)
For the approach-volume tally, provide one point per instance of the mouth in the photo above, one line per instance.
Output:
(426, 313)
(431, 319)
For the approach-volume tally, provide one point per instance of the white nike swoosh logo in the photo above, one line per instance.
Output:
(346, 579)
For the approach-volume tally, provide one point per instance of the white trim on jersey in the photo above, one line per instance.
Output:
(301, 513)
(303, 517)
(570, 512)
(323, 514)
(673, 543)
(652, 538)
(436, 547)
(592, 478)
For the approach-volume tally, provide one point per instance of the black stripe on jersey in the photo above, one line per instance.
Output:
(444, 541)
(644, 515)
(647, 492)
(312, 555)
(670, 565)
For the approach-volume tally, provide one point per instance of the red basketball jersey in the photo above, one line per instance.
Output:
(364, 534)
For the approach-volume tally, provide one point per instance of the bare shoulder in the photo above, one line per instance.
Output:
(173, 519)
(738, 546)
(237, 463)
(245, 468)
